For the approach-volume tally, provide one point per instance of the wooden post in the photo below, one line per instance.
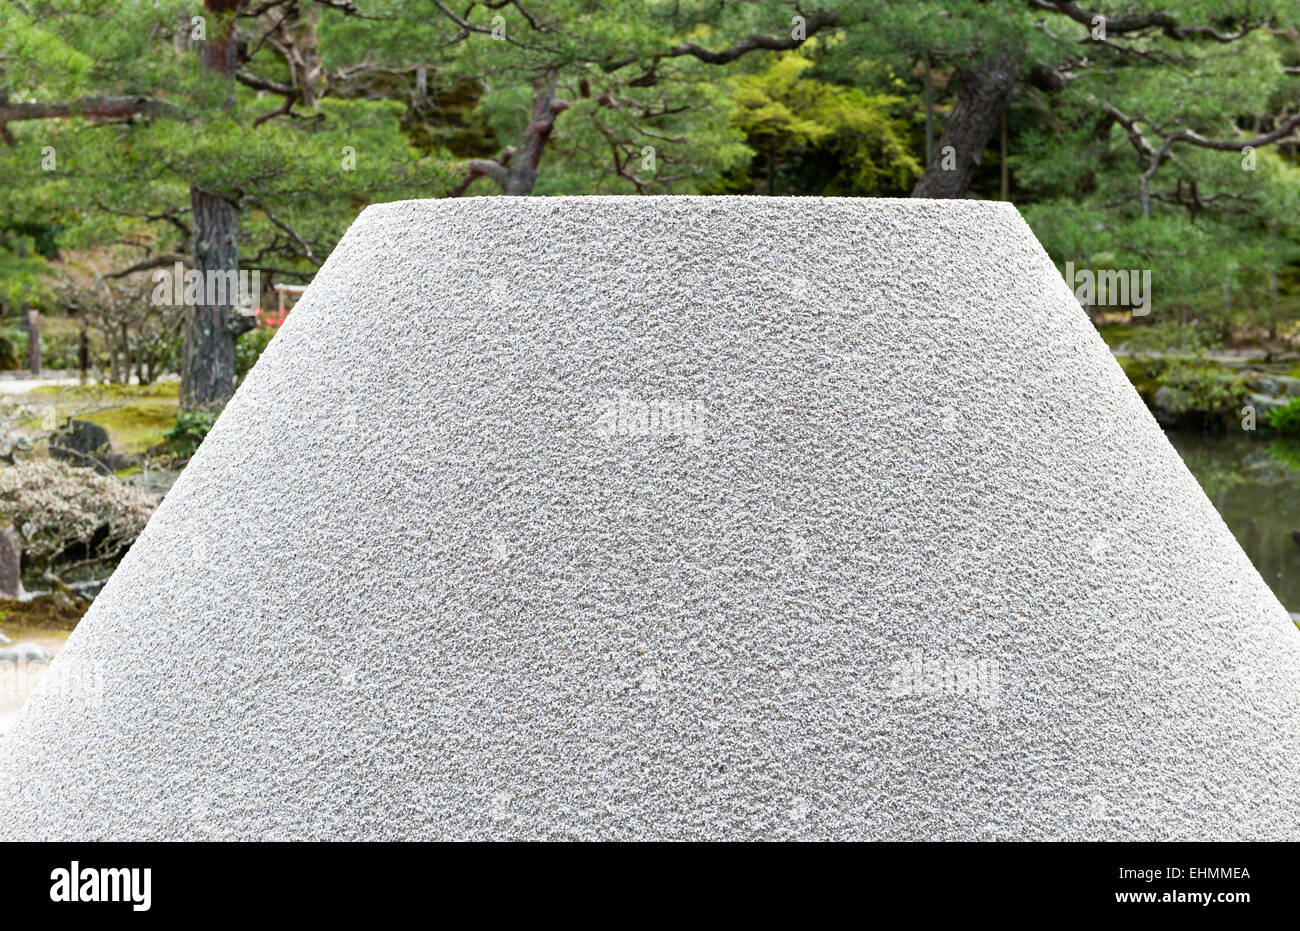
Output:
(83, 354)
(34, 340)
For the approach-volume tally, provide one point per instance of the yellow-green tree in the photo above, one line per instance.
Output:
(827, 138)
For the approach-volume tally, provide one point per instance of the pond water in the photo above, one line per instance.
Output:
(1255, 484)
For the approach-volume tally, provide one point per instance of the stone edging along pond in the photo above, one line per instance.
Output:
(1207, 394)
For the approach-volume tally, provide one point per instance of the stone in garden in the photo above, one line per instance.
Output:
(84, 444)
(1264, 384)
(1170, 404)
(1282, 386)
(752, 585)
(26, 653)
(1264, 403)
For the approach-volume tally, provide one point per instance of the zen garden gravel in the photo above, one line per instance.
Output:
(650, 517)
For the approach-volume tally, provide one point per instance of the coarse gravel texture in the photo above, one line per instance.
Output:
(903, 556)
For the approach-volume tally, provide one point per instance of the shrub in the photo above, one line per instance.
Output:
(8, 354)
(1170, 367)
(191, 427)
(250, 347)
(60, 347)
(70, 518)
(1202, 393)
(1285, 419)
(17, 337)
(1168, 339)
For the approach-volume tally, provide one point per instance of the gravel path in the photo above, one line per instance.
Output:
(17, 680)
(20, 385)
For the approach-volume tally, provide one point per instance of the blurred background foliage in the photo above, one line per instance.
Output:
(327, 106)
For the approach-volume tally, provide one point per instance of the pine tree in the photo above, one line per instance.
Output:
(161, 131)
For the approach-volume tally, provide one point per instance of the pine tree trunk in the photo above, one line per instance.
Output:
(983, 93)
(1006, 173)
(519, 183)
(208, 347)
(521, 174)
(929, 111)
(208, 356)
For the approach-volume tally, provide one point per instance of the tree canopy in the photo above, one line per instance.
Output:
(237, 134)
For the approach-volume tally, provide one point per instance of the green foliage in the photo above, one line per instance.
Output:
(810, 136)
(1210, 397)
(21, 272)
(59, 348)
(8, 354)
(60, 344)
(191, 427)
(1286, 450)
(1216, 233)
(249, 349)
(1286, 419)
(1168, 338)
(637, 119)
(1173, 359)
(298, 180)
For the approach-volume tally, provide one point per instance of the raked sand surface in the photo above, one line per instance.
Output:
(676, 518)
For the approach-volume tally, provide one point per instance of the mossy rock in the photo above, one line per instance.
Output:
(44, 612)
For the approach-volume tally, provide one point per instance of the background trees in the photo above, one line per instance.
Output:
(619, 77)
(242, 135)
(245, 135)
(810, 134)
(155, 126)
